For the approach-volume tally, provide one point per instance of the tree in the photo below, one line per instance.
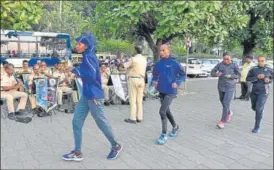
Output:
(158, 22)
(257, 33)
(71, 21)
(20, 15)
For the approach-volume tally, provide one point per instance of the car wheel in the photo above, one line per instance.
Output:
(191, 76)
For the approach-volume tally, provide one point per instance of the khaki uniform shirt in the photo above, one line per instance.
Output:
(136, 66)
(34, 76)
(104, 77)
(245, 69)
(46, 72)
(24, 71)
(61, 76)
(8, 81)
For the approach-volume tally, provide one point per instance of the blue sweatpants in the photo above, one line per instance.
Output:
(97, 111)
(225, 99)
(257, 104)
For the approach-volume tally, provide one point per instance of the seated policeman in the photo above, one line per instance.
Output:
(63, 84)
(9, 87)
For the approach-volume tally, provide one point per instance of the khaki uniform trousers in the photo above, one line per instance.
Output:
(136, 93)
(9, 97)
(106, 92)
(64, 89)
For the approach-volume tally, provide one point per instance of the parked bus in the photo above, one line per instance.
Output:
(17, 46)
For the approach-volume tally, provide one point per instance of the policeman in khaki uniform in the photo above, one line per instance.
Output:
(245, 86)
(63, 84)
(25, 68)
(34, 75)
(104, 78)
(44, 70)
(136, 68)
(9, 87)
(71, 77)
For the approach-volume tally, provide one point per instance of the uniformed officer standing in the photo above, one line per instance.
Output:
(260, 76)
(9, 87)
(245, 86)
(227, 72)
(136, 67)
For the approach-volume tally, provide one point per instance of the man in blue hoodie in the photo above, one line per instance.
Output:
(167, 77)
(92, 99)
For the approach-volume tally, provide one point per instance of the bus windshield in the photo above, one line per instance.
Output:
(33, 46)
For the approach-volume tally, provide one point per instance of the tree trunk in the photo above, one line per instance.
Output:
(249, 43)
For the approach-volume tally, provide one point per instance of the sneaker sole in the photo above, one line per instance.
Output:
(77, 160)
(117, 154)
(220, 127)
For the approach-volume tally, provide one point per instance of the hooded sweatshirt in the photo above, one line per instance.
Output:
(89, 69)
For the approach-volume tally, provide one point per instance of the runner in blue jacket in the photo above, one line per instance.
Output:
(167, 77)
(92, 99)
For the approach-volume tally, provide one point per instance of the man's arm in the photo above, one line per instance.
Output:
(215, 70)
(180, 74)
(155, 73)
(128, 64)
(237, 73)
(251, 77)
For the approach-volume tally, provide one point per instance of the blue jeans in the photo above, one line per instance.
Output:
(225, 99)
(97, 111)
(257, 104)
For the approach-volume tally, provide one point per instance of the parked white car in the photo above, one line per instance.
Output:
(269, 63)
(194, 68)
(209, 64)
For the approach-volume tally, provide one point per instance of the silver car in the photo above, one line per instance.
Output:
(209, 64)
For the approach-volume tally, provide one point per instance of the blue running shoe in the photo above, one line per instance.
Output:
(115, 152)
(256, 130)
(174, 132)
(73, 156)
(162, 139)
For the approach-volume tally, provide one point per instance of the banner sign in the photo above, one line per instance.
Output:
(151, 89)
(46, 93)
(79, 85)
(120, 85)
(25, 77)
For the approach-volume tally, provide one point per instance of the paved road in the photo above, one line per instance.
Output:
(41, 143)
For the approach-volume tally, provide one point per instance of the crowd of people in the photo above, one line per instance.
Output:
(167, 76)
(12, 85)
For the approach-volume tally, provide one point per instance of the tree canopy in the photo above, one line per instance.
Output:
(159, 22)
(20, 15)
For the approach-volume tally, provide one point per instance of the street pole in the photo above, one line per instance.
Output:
(187, 52)
(60, 6)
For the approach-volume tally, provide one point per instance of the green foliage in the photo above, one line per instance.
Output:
(202, 55)
(20, 15)
(258, 30)
(71, 21)
(115, 47)
(209, 19)
(178, 50)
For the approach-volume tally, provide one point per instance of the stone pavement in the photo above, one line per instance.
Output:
(200, 144)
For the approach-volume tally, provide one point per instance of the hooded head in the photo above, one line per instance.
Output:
(86, 43)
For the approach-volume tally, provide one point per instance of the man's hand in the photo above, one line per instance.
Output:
(260, 76)
(155, 84)
(218, 74)
(174, 85)
(266, 80)
(228, 76)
